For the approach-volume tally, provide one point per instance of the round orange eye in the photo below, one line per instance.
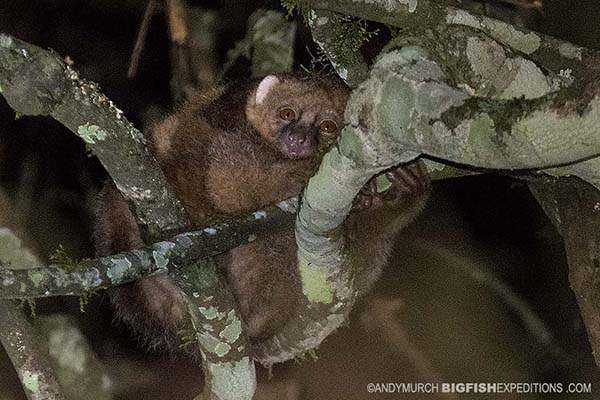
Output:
(328, 126)
(287, 113)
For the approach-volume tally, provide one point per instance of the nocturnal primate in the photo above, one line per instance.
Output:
(240, 149)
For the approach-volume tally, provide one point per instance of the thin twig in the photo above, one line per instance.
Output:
(380, 317)
(141, 39)
(533, 324)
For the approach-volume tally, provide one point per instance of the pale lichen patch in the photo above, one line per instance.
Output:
(221, 349)
(8, 277)
(383, 183)
(90, 279)
(208, 342)
(209, 313)
(260, 214)
(91, 134)
(526, 42)
(233, 330)
(118, 269)
(135, 192)
(31, 381)
(315, 285)
(511, 77)
(290, 205)
(36, 277)
(234, 380)
(161, 254)
(570, 51)
(65, 345)
(6, 40)
(314, 19)
(210, 231)
(530, 82)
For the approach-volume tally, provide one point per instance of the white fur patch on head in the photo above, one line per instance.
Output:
(264, 87)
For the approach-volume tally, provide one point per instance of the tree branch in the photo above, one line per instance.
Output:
(37, 82)
(27, 355)
(499, 110)
(323, 27)
(84, 276)
(572, 205)
(269, 44)
(81, 374)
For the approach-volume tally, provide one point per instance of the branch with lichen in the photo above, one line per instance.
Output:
(77, 278)
(27, 354)
(451, 93)
(269, 44)
(35, 81)
(555, 55)
(331, 32)
(456, 94)
(572, 205)
(214, 326)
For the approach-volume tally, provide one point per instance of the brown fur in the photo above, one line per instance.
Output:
(222, 156)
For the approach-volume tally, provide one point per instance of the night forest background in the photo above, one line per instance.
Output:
(449, 308)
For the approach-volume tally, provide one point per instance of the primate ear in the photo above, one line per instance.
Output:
(264, 87)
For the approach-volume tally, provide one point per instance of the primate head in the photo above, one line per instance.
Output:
(298, 117)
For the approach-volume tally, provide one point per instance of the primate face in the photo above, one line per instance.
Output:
(299, 118)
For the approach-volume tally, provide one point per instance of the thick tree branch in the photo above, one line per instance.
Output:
(558, 56)
(499, 110)
(37, 82)
(557, 80)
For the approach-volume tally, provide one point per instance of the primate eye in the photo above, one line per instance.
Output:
(287, 113)
(328, 126)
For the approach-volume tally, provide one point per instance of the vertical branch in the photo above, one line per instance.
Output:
(352, 69)
(268, 44)
(272, 37)
(203, 26)
(140, 39)
(572, 205)
(17, 335)
(216, 330)
(183, 78)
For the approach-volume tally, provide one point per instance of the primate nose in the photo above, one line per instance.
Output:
(298, 138)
